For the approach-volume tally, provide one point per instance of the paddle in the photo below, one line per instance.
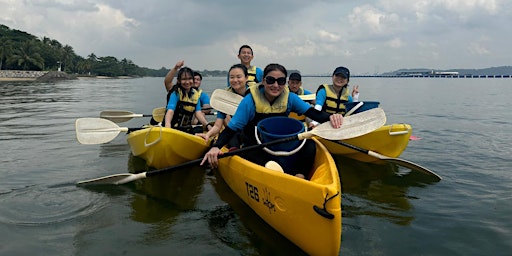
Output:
(225, 101)
(398, 161)
(99, 130)
(371, 121)
(120, 116)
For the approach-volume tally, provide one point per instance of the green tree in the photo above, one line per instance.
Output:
(27, 56)
(6, 51)
(67, 57)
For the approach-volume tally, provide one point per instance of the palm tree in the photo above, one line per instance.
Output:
(67, 57)
(5, 51)
(27, 56)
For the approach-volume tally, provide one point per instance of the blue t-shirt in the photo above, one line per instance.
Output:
(175, 98)
(204, 98)
(321, 95)
(246, 111)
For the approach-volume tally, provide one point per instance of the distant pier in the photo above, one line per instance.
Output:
(422, 76)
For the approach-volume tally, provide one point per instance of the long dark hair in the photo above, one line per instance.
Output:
(181, 73)
(244, 68)
(177, 86)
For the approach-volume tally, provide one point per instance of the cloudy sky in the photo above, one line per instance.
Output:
(313, 36)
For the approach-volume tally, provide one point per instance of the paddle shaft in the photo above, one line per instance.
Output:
(226, 154)
(397, 161)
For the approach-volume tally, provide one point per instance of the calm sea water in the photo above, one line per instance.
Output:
(465, 129)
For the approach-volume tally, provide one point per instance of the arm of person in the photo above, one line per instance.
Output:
(321, 117)
(320, 100)
(171, 107)
(200, 116)
(205, 101)
(171, 74)
(215, 129)
(168, 117)
(240, 119)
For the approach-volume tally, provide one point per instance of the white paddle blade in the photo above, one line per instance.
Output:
(159, 114)
(225, 101)
(353, 126)
(307, 97)
(96, 130)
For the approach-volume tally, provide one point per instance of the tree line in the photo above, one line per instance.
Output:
(22, 51)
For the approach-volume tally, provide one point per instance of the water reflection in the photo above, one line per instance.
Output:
(159, 200)
(379, 190)
(239, 227)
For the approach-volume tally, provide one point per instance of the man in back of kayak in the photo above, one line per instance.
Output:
(271, 98)
(245, 54)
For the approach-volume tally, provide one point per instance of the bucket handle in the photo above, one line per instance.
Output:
(278, 153)
(153, 142)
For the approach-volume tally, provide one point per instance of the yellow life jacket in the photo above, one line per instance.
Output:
(185, 108)
(251, 78)
(334, 103)
(263, 110)
(294, 115)
(279, 105)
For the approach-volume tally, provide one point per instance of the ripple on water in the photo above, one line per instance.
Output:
(39, 205)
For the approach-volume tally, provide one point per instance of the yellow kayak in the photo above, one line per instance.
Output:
(163, 147)
(389, 140)
(307, 212)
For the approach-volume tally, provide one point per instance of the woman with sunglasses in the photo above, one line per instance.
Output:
(183, 102)
(271, 98)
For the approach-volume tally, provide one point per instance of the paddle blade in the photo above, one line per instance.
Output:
(159, 114)
(353, 126)
(225, 101)
(96, 130)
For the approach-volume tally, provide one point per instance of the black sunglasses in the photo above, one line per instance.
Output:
(272, 80)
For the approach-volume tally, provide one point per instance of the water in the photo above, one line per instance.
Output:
(464, 125)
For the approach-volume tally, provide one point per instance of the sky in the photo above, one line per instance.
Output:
(313, 36)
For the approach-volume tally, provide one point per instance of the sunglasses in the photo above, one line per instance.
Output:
(272, 80)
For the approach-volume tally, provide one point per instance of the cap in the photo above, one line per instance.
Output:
(295, 76)
(342, 70)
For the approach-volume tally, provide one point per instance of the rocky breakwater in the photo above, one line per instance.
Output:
(55, 76)
(23, 75)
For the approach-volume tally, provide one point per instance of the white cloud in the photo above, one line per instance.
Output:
(313, 36)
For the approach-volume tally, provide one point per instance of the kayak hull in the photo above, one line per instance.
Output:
(389, 140)
(163, 147)
(288, 203)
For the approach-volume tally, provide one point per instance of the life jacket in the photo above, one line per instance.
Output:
(264, 110)
(294, 115)
(334, 103)
(251, 78)
(185, 108)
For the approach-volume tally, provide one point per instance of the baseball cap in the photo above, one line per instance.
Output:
(295, 76)
(342, 70)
